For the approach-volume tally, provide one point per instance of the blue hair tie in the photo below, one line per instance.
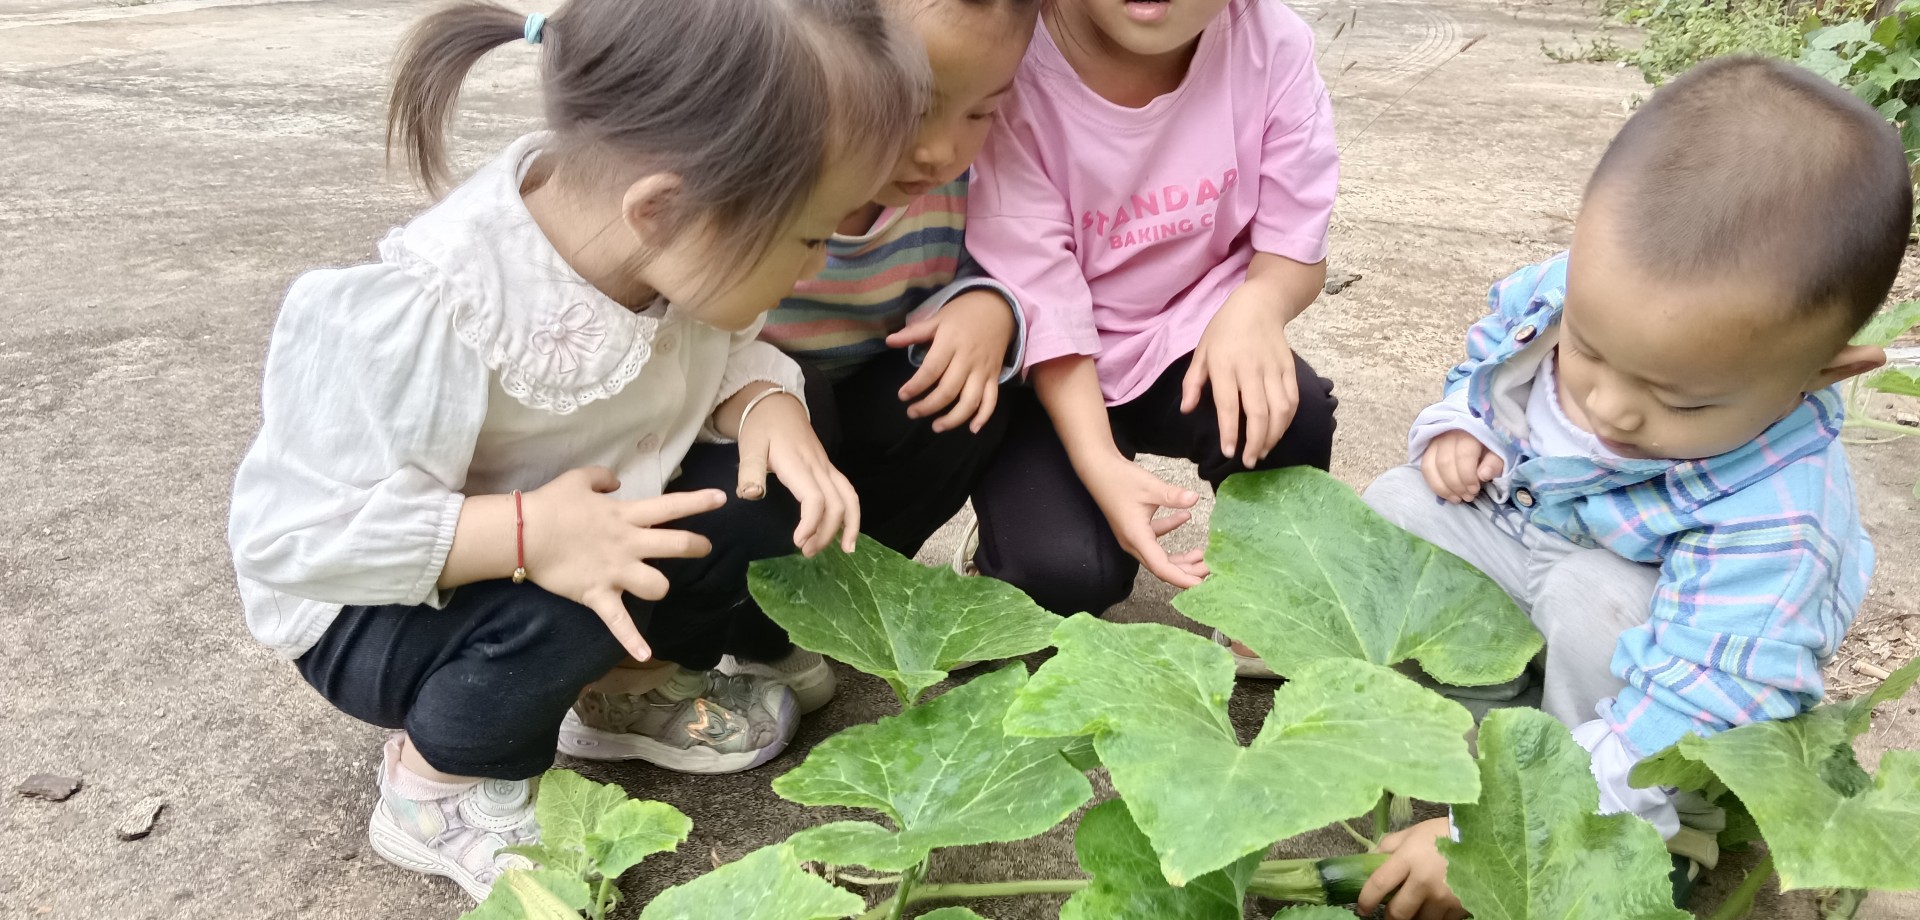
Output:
(536, 24)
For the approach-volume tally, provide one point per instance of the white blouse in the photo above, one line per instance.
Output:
(471, 359)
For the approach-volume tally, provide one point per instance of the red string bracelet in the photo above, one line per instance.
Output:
(519, 541)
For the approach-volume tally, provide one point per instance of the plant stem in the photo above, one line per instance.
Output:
(1740, 901)
(1358, 837)
(902, 895)
(1867, 421)
(1381, 812)
(956, 891)
(602, 898)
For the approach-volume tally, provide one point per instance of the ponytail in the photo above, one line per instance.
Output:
(433, 63)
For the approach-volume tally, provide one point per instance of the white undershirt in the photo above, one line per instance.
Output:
(1550, 432)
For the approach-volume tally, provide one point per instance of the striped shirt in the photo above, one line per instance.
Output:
(1763, 559)
(909, 261)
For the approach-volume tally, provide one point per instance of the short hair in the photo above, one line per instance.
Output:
(1753, 166)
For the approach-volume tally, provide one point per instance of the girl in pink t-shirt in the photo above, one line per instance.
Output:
(1156, 193)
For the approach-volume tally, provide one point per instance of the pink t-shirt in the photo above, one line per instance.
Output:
(1123, 230)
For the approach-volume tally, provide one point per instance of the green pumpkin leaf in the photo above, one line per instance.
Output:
(952, 913)
(1826, 821)
(1533, 848)
(574, 862)
(1314, 912)
(894, 618)
(1127, 884)
(1079, 752)
(766, 884)
(546, 894)
(1889, 324)
(570, 806)
(1900, 381)
(946, 773)
(1304, 571)
(499, 905)
(633, 831)
(1155, 700)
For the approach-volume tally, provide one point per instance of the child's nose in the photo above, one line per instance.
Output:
(1610, 406)
(934, 150)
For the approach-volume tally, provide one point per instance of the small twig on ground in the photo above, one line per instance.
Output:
(1871, 670)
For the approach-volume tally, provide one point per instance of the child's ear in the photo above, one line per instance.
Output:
(648, 207)
(1851, 361)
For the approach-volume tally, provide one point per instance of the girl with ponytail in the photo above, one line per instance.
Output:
(452, 518)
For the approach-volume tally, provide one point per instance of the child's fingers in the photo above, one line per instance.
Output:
(943, 395)
(964, 407)
(989, 400)
(1169, 523)
(658, 543)
(600, 479)
(1441, 908)
(1283, 400)
(1491, 466)
(1253, 401)
(672, 506)
(850, 526)
(753, 472)
(1381, 883)
(613, 612)
(932, 369)
(1193, 383)
(918, 333)
(811, 510)
(1226, 403)
(1155, 559)
(644, 581)
(1430, 471)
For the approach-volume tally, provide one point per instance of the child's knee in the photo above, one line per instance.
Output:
(1069, 583)
(1401, 495)
(1597, 589)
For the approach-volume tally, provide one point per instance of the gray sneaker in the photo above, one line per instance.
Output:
(806, 673)
(459, 836)
(699, 722)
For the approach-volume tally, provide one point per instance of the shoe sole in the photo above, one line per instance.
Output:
(398, 847)
(812, 688)
(1250, 666)
(577, 739)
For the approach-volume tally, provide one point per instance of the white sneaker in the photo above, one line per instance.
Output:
(698, 722)
(806, 673)
(969, 545)
(458, 836)
(1245, 665)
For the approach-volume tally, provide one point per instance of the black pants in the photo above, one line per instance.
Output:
(911, 480)
(1041, 531)
(481, 685)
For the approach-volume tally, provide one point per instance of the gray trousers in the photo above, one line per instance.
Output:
(1581, 599)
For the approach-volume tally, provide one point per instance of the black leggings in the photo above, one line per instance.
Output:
(482, 684)
(911, 480)
(1042, 532)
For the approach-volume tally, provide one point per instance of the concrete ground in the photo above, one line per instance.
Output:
(169, 167)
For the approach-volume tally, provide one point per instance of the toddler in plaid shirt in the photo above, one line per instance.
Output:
(1642, 445)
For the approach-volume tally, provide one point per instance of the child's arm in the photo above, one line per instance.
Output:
(1126, 492)
(1742, 614)
(779, 438)
(1244, 355)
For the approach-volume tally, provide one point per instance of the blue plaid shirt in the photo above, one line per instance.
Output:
(1763, 560)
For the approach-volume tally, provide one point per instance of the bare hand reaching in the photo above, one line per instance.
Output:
(591, 548)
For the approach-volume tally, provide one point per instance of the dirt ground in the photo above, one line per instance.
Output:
(169, 167)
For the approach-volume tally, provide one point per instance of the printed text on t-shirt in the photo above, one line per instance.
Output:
(1154, 212)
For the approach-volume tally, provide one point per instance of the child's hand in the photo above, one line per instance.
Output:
(587, 547)
(1456, 464)
(1245, 356)
(1418, 871)
(778, 438)
(1130, 496)
(966, 344)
